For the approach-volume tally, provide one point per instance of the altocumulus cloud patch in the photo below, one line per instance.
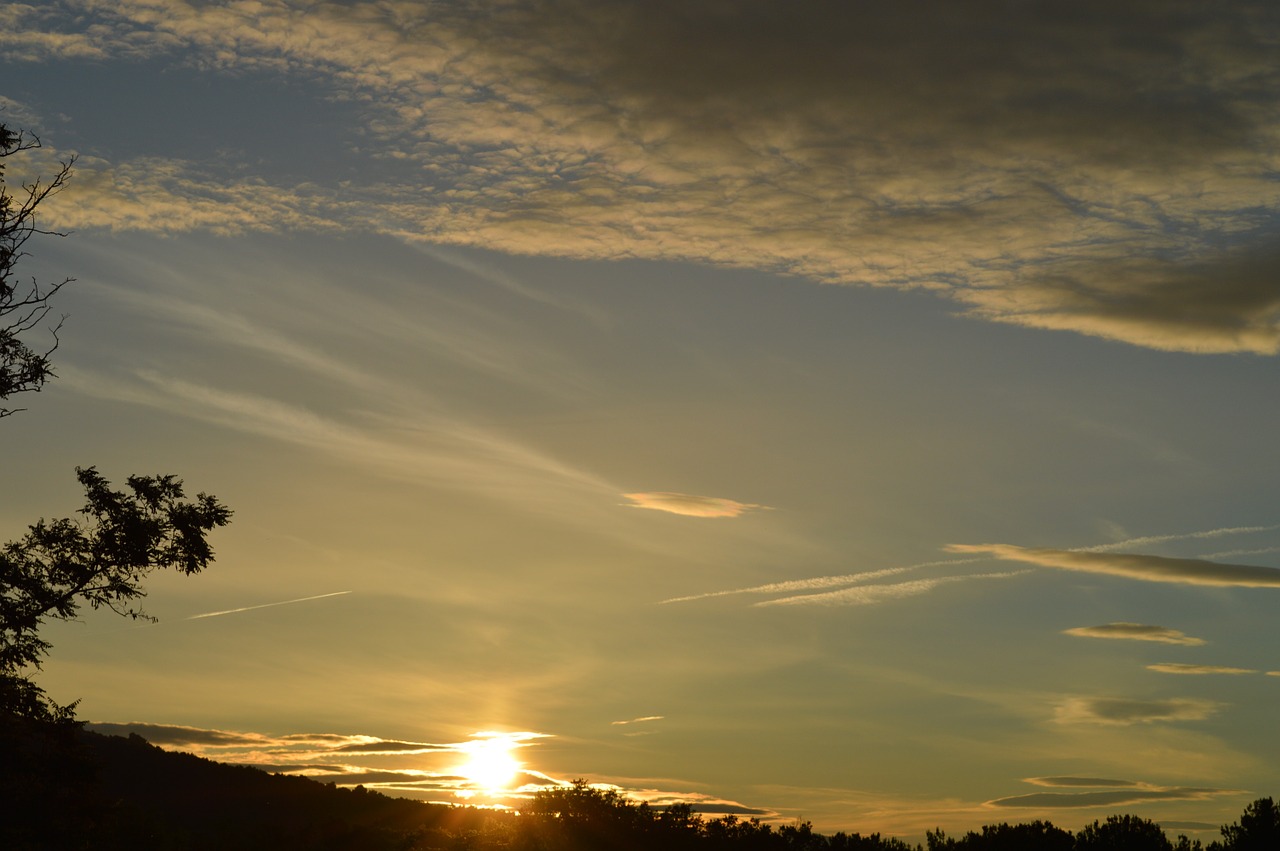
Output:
(1039, 166)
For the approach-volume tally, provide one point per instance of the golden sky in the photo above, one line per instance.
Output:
(862, 413)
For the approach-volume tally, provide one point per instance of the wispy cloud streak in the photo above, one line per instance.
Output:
(1131, 566)
(1197, 670)
(1137, 794)
(863, 595)
(820, 581)
(691, 505)
(640, 720)
(428, 448)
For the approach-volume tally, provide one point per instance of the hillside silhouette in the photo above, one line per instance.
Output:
(62, 787)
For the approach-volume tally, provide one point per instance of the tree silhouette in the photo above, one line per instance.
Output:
(1185, 843)
(1257, 830)
(582, 816)
(59, 565)
(1123, 833)
(23, 307)
(1039, 835)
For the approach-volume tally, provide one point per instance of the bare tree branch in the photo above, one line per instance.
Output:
(24, 307)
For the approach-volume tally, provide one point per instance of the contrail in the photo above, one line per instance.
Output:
(265, 605)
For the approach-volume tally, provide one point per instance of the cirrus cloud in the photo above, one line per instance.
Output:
(1186, 668)
(691, 505)
(1150, 568)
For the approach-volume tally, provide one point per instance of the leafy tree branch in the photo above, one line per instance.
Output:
(100, 560)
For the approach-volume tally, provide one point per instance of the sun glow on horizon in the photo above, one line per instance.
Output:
(489, 762)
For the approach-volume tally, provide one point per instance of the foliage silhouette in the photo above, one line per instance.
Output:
(1257, 830)
(59, 565)
(1123, 833)
(23, 307)
(1040, 835)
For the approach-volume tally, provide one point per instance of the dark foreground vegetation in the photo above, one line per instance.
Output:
(62, 787)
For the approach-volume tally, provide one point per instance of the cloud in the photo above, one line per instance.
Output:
(176, 735)
(1122, 711)
(1105, 793)
(821, 581)
(1074, 169)
(418, 770)
(640, 720)
(690, 505)
(382, 746)
(1133, 566)
(724, 808)
(297, 744)
(1128, 797)
(1183, 668)
(23, 41)
(415, 446)
(1091, 782)
(863, 595)
(1135, 632)
(698, 801)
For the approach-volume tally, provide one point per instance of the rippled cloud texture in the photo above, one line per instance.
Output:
(1101, 169)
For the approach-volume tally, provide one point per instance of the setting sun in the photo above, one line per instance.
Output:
(489, 762)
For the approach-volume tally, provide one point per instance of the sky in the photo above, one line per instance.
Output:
(862, 413)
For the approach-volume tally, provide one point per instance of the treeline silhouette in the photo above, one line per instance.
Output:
(62, 787)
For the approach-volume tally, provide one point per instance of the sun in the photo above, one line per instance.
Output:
(489, 763)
